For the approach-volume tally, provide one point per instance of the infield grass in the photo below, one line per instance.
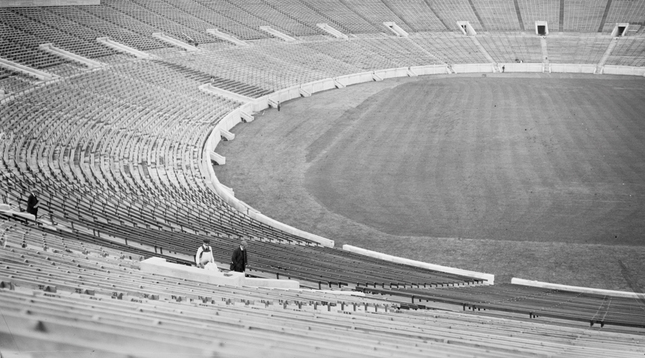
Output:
(533, 176)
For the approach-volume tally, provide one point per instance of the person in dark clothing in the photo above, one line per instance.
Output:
(239, 259)
(33, 203)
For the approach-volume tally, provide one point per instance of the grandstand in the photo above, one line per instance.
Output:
(120, 138)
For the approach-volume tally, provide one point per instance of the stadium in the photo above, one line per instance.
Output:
(413, 177)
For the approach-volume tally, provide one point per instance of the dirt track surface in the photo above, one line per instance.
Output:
(533, 176)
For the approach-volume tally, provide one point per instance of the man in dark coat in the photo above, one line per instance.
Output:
(32, 204)
(239, 260)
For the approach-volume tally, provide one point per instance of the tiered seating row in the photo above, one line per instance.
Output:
(104, 25)
(251, 66)
(13, 82)
(319, 64)
(51, 294)
(624, 11)
(583, 15)
(342, 14)
(275, 16)
(451, 48)
(170, 21)
(354, 54)
(545, 10)
(402, 52)
(303, 13)
(45, 27)
(376, 12)
(512, 48)
(417, 14)
(21, 47)
(497, 15)
(577, 49)
(149, 328)
(120, 26)
(534, 302)
(451, 12)
(91, 155)
(629, 51)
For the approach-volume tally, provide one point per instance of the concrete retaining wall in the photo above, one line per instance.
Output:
(490, 279)
(159, 266)
(596, 291)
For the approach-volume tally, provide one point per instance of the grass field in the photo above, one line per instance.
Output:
(533, 176)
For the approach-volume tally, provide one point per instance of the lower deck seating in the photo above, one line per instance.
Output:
(59, 296)
(451, 48)
(512, 47)
(532, 302)
(628, 52)
(577, 49)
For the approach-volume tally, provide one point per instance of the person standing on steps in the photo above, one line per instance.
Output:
(239, 259)
(33, 203)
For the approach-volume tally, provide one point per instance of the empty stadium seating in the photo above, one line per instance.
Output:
(416, 14)
(547, 10)
(583, 16)
(512, 48)
(497, 15)
(60, 295)
(628, 52)
(577, 49)
(116, 153)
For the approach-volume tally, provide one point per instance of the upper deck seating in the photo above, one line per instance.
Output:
(235, 13)
(304, 13)
(583, 15)
(416, 14)
(142, 38)
(624, 11)
(340, 13)
(497, 15)
(275, 16)
(233, 22)
(21, 47)
(172, 21)
(450, 12)
(546, 10)
(376, 12)
(45, 27)
(104, 27)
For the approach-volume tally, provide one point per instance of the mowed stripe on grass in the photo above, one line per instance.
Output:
(491, 158)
